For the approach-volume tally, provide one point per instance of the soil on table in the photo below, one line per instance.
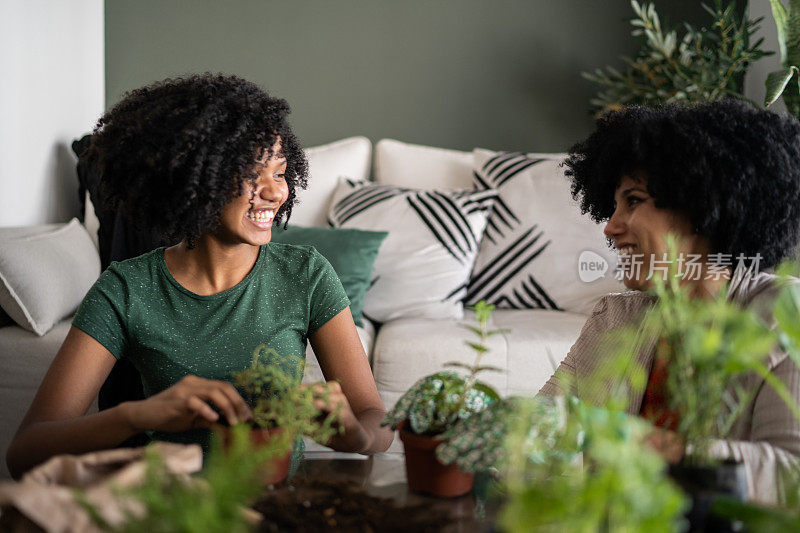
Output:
(320, 505)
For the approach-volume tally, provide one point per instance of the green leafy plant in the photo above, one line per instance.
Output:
(702, 65)
(233, 473)
(787, 21)
(272, 388)
(212, 502)
(571, 467)
(436, 402)
(708, 344)
(783, 518)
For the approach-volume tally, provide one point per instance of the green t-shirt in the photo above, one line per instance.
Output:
(137, 310)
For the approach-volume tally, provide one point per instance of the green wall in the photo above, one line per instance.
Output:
(499, 74)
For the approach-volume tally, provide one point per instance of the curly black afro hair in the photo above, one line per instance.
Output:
(732, 169)
(173, 153)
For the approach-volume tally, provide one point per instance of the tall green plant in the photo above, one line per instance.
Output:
(571, 467)
(708, 344)
(787, 21)
(702, 65)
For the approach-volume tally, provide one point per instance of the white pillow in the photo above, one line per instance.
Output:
(327, 163)
(538, 251)
(424, 264)
(421, 167)
(45, 273)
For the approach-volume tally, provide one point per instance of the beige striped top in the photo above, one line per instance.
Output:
(766, 437)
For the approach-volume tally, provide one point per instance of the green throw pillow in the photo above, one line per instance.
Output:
(351, 252)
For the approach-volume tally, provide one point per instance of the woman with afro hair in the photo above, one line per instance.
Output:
(208, 162)
(724, 177)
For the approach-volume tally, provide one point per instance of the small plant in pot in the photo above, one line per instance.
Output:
(435, 404)
(283, 409)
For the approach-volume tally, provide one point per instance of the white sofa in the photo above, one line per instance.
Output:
(400, 351)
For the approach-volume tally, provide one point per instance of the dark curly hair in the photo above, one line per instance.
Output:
(732, 169)
(173, 153)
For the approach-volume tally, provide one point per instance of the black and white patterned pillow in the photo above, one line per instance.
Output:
(538, 251)
(423, 266)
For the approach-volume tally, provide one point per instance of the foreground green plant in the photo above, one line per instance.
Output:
(704, 65)
(571, 467)
(271, 386)
(708, 345)
(436, 402)
(213, 502)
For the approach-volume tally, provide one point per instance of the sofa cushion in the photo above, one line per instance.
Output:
(408, 349)
(421, 167)
(349, 157)
(45, 275)
(537, 241)
(424, 264)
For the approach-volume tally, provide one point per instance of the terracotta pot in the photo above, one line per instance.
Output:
(425, 473)
(273, 470)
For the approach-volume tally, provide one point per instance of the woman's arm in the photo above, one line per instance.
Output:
(56, 422)
(768, 442)
(584, 347)
(341, 358)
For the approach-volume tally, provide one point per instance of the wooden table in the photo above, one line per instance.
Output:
(384, 476)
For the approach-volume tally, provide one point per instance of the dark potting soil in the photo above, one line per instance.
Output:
(321, 505)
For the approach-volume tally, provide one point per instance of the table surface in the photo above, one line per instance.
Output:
(384, 476)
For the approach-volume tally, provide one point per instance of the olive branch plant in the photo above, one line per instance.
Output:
(704, 64)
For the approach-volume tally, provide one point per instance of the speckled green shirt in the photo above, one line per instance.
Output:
(137, 310)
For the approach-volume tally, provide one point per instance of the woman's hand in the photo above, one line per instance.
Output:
(341, 357)
(668, 444)
(185, 406)
(329, 398)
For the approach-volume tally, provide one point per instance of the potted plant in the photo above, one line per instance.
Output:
(756, 517)
(703, 65)
(283, 409)
(432, 406)
(571, 467)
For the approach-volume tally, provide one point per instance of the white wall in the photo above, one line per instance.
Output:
(51, 91)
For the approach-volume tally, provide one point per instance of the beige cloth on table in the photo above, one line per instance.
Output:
(766, 437)
(45, 498)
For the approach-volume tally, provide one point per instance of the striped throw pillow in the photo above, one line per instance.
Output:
(423, 267)
(539, 251)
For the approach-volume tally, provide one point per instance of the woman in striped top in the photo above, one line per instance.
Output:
(724, 177)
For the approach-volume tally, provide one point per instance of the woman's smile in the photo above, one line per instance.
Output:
(261, 218)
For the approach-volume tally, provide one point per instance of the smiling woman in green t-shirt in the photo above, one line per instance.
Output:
(210, 162)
